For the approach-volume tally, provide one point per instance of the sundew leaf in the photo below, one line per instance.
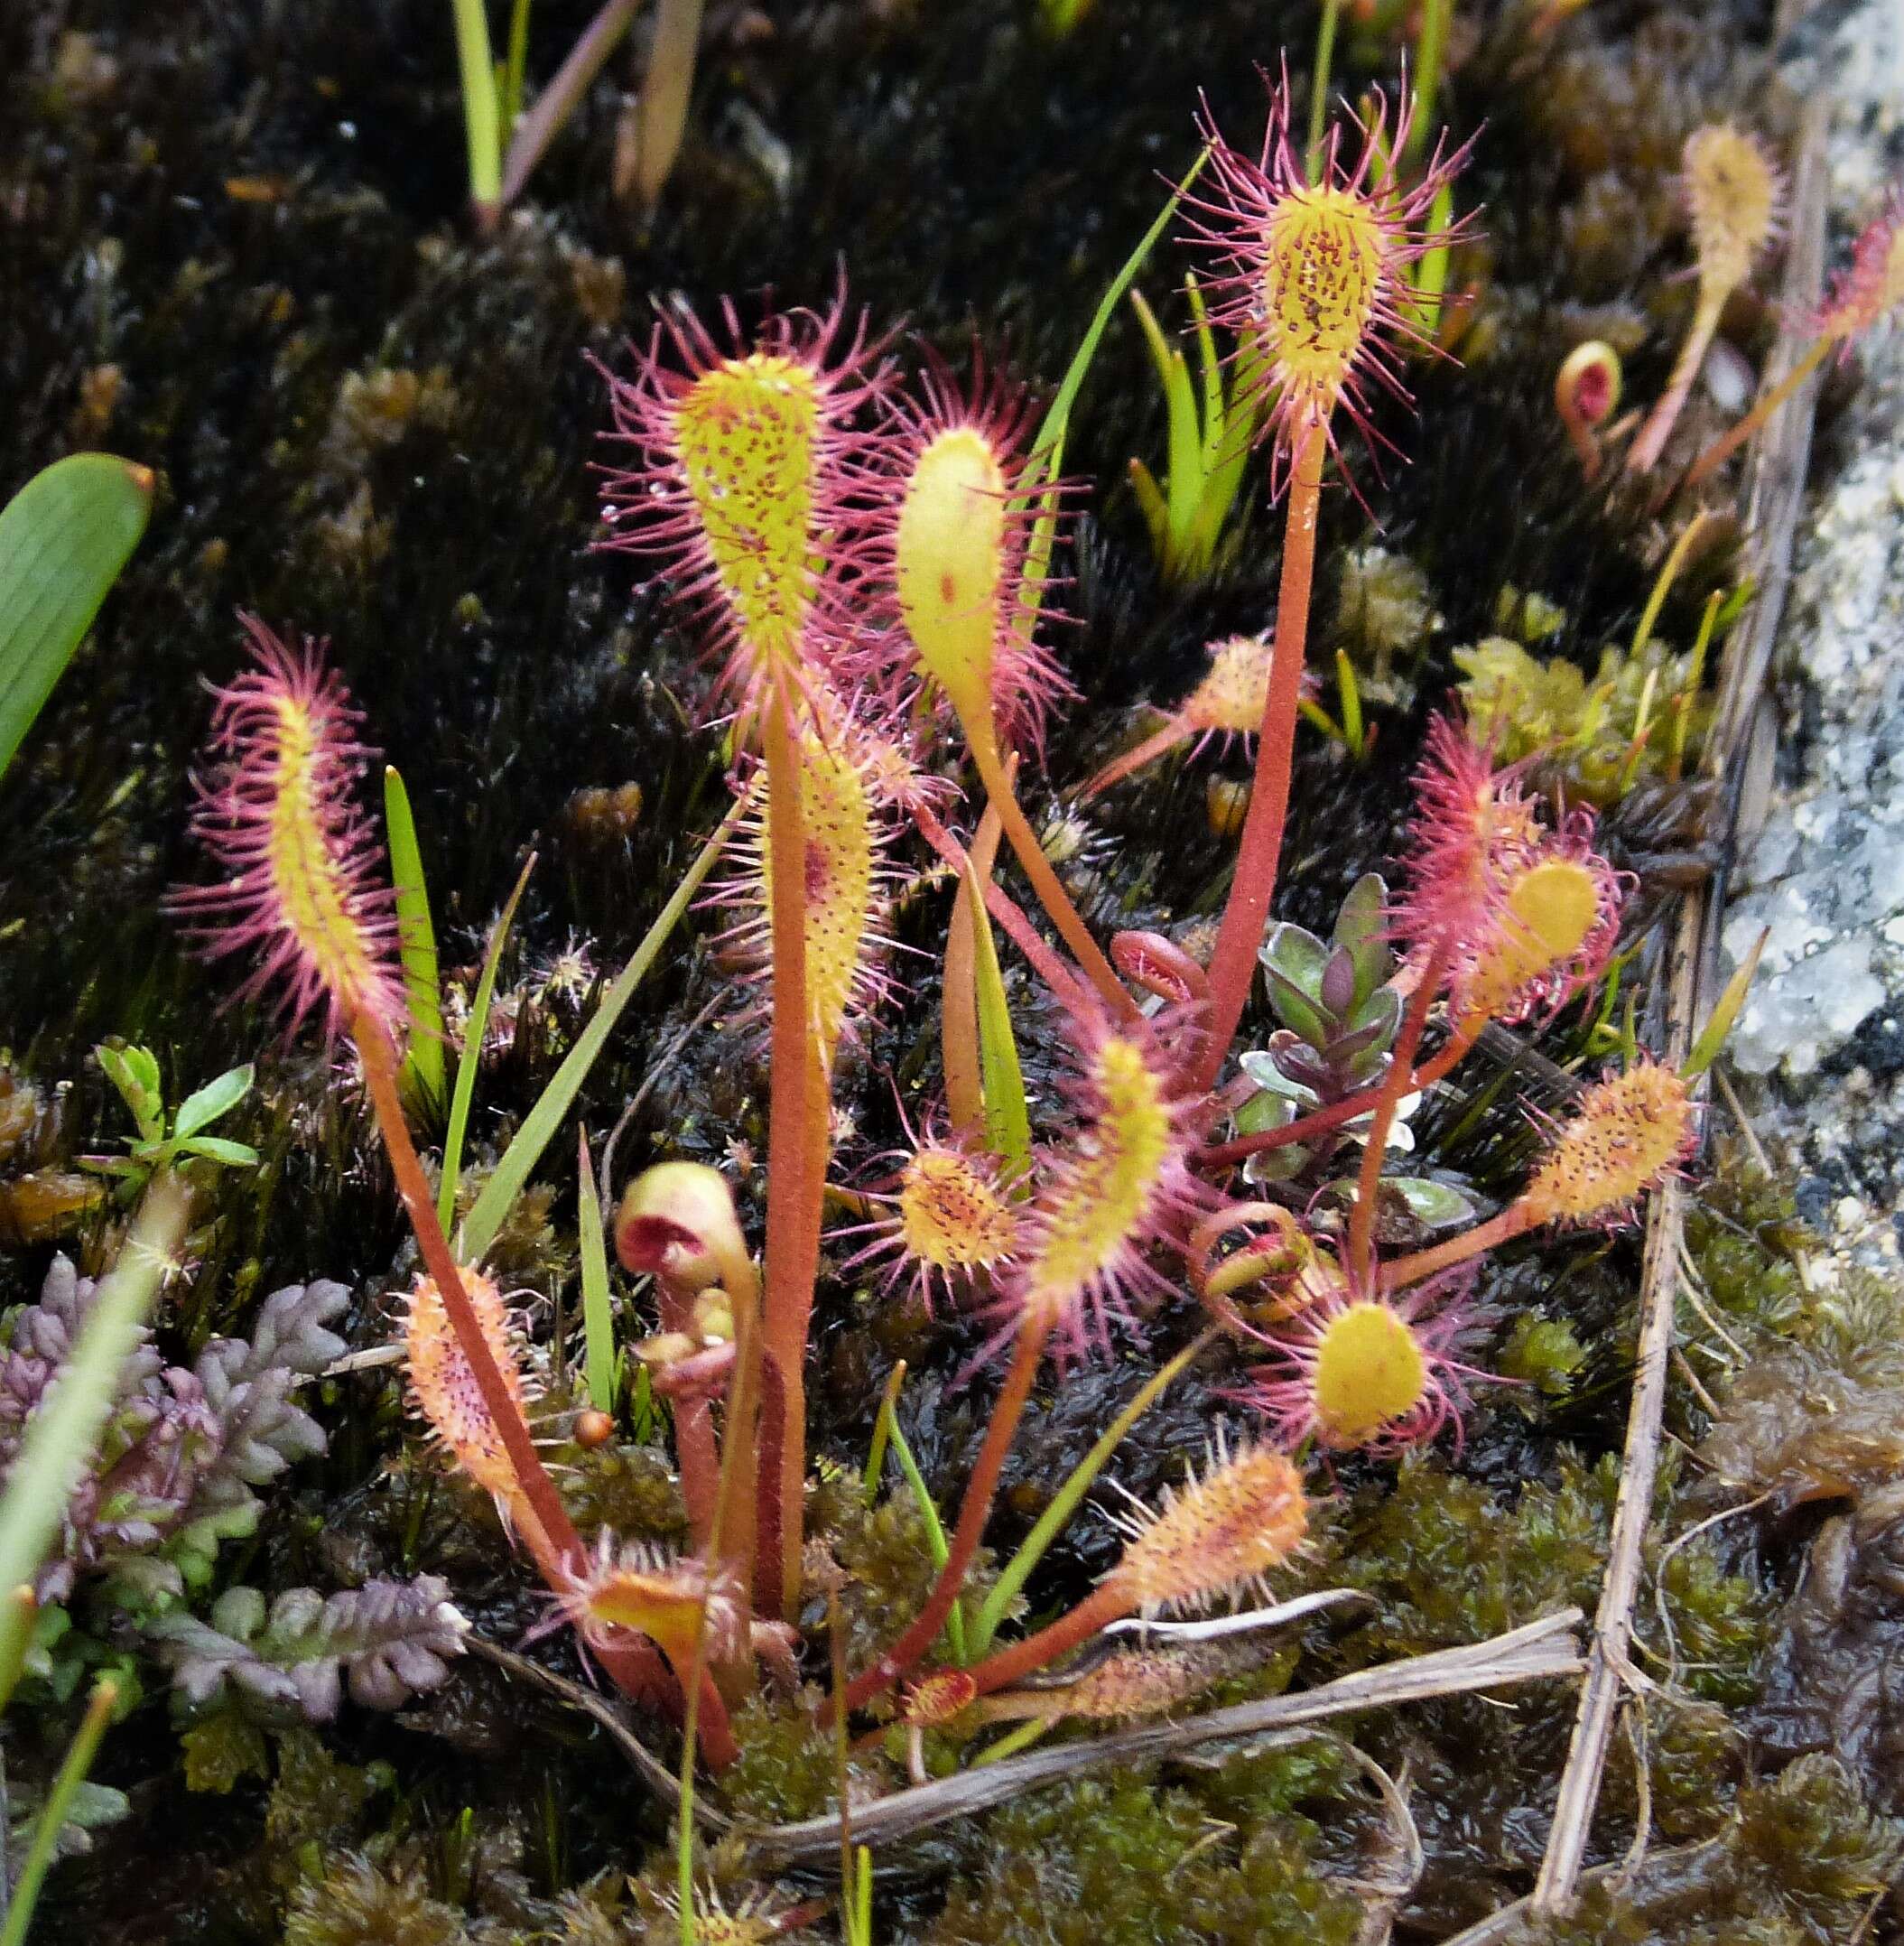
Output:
(63, 539)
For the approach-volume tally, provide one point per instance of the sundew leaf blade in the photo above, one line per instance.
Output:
(64, 539)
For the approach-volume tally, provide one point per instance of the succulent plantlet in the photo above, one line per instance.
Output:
(1860, 298)
(1586, 394)
(947, 1223)
(1314, 275)
(1732, 190)
(742, 475)
(1228, 703)
(1108, 1192)
(1358, 1370)
(302, 889)
(1210, 1542)
(444, 1394)
(844, 888)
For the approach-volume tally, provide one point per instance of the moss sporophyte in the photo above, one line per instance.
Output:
(868, 565)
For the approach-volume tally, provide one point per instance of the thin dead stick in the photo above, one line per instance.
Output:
(1774, 497)
(1498, 1925)
(1542, 1649)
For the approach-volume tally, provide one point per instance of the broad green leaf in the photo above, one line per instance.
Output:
(423, 1063)
(215, 1098)
(235, 1155)
(63, 539)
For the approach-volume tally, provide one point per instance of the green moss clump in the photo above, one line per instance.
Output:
(633, 1491)
(787, 1769)
(355, 1904)
(1542, 1353)
(1520, 706)
(1384, 613)
(1798, 1866)
(1117, 1862)
(885, 1557)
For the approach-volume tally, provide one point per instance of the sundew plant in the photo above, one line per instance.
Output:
(866, 556)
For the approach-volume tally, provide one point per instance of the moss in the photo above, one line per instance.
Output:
(885, 1560)
(633, 1491)
(788, 1768)
(355, 1902)
(1542, 1353)
(1121, 1863)
(1799, 1865)
(222, 1748)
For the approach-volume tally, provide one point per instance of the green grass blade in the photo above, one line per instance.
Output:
(598, 1316)
(423, 1064)
(63, 1433)
(63, 538)
(539, 1124)
(51, 1819)
(886, 1432)
(1046, 458)
(1056, 422)
(1052, 1522)
(18, 1613)
(473, 1031)
(1007, 1122)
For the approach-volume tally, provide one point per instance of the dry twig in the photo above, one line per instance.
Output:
(1774, 498)
(1542, 1649)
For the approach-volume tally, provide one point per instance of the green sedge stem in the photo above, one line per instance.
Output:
(1430, 51)
(474, 1029)
(482, 119)
(1016, 1738)
(51, 1819)
(598, 1319)
(1319, 86)
(1057, 1515)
